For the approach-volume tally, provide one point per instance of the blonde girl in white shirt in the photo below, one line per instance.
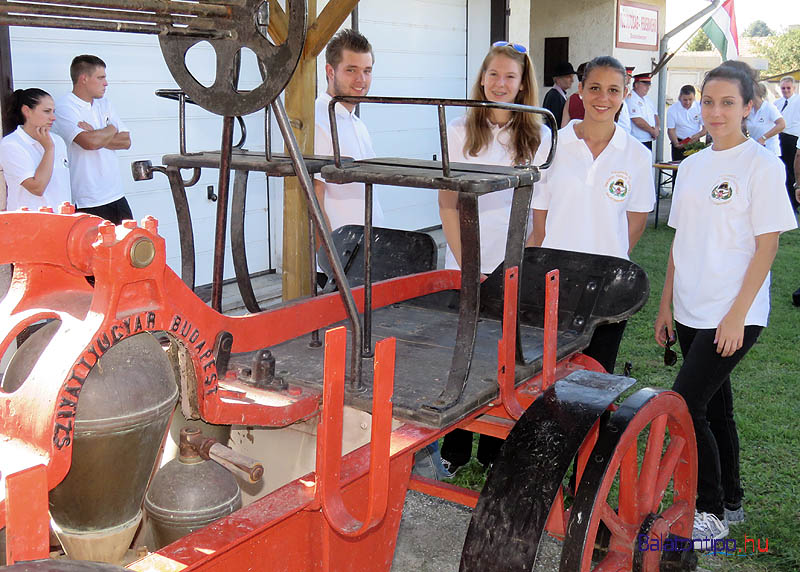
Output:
(728, 210)
(494, 137)
(34, 160)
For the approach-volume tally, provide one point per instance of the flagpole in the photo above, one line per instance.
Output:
(662, 74)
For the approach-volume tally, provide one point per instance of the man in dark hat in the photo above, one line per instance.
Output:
(644, 119)
(555, 99)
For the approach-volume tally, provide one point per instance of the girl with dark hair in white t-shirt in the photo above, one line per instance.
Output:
(34, 160)
(595, 196)
(728, 209)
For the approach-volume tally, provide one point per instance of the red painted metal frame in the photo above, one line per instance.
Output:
(349, 510)
(28, 524)
(52, 255)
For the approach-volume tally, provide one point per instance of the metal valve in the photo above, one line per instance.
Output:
(194, 444)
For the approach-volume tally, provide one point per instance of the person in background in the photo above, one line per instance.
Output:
(684, 123)
(348, 69)
(765, 122)
(789, 106)
(623, 118)
(595, 196)
(34, 161)
(93, 133)
(493, 137)
(574, 107)
(644, 120)
(728, 210)
(556, 98)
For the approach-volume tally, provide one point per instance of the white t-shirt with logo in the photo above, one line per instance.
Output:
(344, 204)
(762, 120)
(20, 155)
(587, 199)
(642, 108)
(685, 122)
(94, 174)
(494, 209)
(722, 201)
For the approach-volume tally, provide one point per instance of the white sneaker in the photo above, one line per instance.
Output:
(707, 528)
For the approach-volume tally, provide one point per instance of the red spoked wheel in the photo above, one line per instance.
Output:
(636, 496)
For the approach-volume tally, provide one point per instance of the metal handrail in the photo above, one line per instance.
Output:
(442, 104)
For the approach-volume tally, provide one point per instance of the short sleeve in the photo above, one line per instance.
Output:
(17, 164)
(671, 120)
(644, 195)
(455, 141)
(770, 209)
(772, 112)
(541, 191)
(677, 195)
(635, 109)
(66, 125)
(322, 145)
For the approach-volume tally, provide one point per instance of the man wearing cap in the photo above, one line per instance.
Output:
(556, 98)
(644, 119)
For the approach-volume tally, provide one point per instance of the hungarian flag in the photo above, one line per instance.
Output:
(721, 30)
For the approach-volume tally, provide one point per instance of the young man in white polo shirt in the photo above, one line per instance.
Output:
(93, 132)
(644, 120)
(684, 124)
(348, 68)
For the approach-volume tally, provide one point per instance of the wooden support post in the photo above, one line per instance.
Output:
(300, 95)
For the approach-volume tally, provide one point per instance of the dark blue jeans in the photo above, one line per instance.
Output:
(704, 381)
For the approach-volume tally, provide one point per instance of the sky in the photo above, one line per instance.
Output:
(776, 13)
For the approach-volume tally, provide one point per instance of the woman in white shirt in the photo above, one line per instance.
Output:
(729, 208)
(493, 137)
(595, 196)
(34, 161)
(765, 121)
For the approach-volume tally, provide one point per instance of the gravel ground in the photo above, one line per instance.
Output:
(432, 535)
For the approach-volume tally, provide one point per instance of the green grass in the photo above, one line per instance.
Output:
(766, 387)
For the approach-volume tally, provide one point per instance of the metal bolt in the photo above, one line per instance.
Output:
(129, 224)
(45, 209)
(108, 232)
(66, 208)
(143, 251)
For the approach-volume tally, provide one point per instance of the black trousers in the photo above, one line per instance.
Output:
(605, 344)
(457, 445)
(648, 144)
(115, 212)
(788, 152)
(704, 381)
(678, 153)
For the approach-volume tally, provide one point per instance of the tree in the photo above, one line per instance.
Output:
(699, 43)
(783, 52)
(758, 29)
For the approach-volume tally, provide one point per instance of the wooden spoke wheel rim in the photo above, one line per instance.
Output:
(644, 470)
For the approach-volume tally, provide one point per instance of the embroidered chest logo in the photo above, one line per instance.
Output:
(617, 186)
(723, 191)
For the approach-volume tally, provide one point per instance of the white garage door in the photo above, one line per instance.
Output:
(41, 58)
